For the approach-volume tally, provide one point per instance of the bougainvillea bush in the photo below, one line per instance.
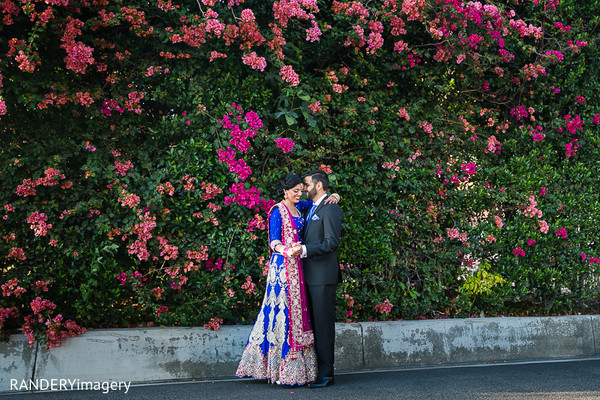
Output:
(140, 142)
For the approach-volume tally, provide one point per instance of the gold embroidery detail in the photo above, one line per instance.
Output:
(300, 364)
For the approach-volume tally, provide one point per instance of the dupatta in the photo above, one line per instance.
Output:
(300, 330)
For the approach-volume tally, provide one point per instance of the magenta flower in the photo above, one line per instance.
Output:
(519, 252)
(285, 144)
(468, 168)
(538, 137)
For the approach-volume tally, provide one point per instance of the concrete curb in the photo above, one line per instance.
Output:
(160, 354)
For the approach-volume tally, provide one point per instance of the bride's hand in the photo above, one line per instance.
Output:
(296, 249)
(292, 251)
(333, 198)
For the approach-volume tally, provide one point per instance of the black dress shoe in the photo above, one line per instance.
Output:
(321, 382)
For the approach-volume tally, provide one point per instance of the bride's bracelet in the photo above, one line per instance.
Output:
(274, 244)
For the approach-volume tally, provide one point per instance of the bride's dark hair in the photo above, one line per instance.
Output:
(286, 183)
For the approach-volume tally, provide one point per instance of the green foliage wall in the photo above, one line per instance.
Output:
(140, 142)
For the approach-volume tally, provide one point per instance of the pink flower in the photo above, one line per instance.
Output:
(239, 137)
(556, 56)
(254, 61)
(543, 226)
(325, 168)
(122, 168)
(188, 182)
(162, 310)
(288, 75)
(79, 56)
(248, 198)
(284, 144)
(214, 324)
(40, 285)
(257, 222)
(253, 120)
(167, 188)
(519, 252)
(531, 210)
(402, 113)
(562, 232)
(493, 145)
(452, 233)
(400, 46)
(574, 124)
(498, 222)
(531, 242)
(210, 192)
(247, 15)
(315, 107)
(468, 168)
(38, 223)
(38, 305)
(313, 33)
(248, 286)
(84, 98)
(170, 252)
(201, 255)
(12, 287)
(571, 149)
(122, 278)
(385, 307)
(538, 137)
(158, 291)
(130, 200)
(427, 127)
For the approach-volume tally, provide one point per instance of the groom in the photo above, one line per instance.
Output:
(321, 270)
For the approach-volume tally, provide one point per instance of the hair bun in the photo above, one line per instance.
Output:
(279, 187)
(287, 182)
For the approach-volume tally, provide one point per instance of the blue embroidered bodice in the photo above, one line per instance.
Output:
(275, 222)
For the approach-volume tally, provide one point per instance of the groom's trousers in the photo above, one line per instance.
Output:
(322, 306)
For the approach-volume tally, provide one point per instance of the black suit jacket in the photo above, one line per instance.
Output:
(322, 237)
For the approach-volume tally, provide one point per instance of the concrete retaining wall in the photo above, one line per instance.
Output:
(159, 354)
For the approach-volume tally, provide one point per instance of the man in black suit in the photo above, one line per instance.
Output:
(321, 270)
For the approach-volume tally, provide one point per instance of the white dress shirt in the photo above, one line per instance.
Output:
(315, 204)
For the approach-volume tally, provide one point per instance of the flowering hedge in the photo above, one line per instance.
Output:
(140, 143)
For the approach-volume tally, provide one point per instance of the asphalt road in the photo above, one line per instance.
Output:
(565, 379)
